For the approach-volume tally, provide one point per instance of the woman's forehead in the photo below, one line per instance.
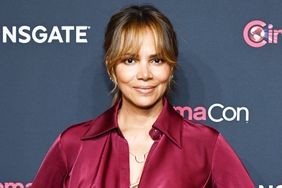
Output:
(134, 41)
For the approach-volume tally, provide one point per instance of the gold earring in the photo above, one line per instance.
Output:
(113, 80)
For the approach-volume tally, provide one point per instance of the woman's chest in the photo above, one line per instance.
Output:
(105, 163)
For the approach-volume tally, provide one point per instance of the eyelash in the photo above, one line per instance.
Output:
(159, 59)
(133, 60)
(126, 60)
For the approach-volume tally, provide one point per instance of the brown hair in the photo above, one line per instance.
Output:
(124, 34)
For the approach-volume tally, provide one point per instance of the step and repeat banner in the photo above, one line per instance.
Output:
(52, 76)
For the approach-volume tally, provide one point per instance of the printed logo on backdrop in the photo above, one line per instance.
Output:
(15, 185)
(257, 33)
(216, 113)
(41, 34)
(270, 186)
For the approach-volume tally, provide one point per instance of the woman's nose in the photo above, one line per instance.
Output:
(144, 72)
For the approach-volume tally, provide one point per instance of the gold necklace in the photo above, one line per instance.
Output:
(135, 185)
(140, 160)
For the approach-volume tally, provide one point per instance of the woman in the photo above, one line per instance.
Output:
(141, 141)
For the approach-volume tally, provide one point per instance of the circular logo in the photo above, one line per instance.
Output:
(256, 34)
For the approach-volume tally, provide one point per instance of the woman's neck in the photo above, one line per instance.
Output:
(132, 118)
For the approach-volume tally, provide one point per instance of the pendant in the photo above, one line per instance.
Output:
(140, 161)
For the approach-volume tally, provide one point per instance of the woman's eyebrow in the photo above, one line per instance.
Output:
(130, 55)
(137, 56)
(154, 56)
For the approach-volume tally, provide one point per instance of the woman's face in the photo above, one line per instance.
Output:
(143, 78)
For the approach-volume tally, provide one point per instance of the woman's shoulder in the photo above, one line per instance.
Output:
(69, 141)
(75, 131)
(200, 133)
(200, 128)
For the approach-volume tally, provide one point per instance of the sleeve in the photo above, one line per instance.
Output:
(53, 169)
(227, 168)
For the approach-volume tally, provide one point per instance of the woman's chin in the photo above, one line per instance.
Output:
(145, 102)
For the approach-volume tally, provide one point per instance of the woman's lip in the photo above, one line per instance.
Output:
(144, 89)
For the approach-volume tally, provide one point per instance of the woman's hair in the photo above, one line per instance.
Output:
(124, 34)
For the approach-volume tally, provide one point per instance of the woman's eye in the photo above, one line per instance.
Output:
(157, 60)
(129, 61)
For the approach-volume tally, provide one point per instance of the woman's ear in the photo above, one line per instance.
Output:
(112, 75)
(109, 71)
(171, 71)
(113, 79)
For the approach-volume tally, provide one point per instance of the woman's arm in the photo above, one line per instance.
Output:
(53, 169)
(227, 168)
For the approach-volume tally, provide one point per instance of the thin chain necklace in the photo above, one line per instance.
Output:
(135, 184)
(140, 160)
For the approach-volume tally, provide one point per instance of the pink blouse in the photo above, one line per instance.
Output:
(185, 154)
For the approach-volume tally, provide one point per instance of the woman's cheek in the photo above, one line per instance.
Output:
(162, 74)
(125, 73)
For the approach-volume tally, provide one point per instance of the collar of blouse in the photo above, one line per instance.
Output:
(169, 123)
